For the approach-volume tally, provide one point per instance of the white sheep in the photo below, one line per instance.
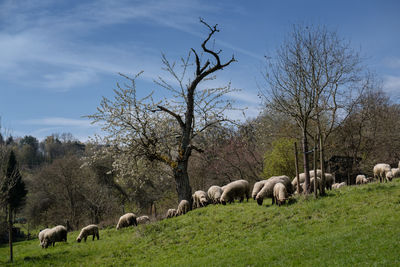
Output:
(214, 193)
(91, 229)
(53, 235)
(237, 189)
(338, 185)
(280, 194)
(41, 236)
(183, 207)
(199, 199)
(126, 220)
(302, 178)
(268, 188)
(361, 179)
(329, 178)
(171, 213)
(395, 172)
(257, 188)
(380, 171)
(318, 185)
(143, 219)
(389, 176)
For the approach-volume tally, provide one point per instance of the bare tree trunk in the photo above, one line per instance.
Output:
(322, 161)
(182, 182)
(10, 226)
(315, 167)
(296, 162)
(305, 160)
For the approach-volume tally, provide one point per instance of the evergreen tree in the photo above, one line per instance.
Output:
(13, 193)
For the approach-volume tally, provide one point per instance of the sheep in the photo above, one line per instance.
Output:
(318, 181)
(53, 235)
(380, 171)
(389, 176)
(395, 172)
(267, 190)
(302, 178)
(257, 188)
(280, 193)
(126, 220)
(199, 199)
(143, 219)
(237, 189)
(41, 236)
(171, 213)
(338, 185)
(329, 178)
(183, 207)
(361, 179)
(214, 193)
(91, 229)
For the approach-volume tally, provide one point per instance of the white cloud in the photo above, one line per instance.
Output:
(59, 122)
(245, 96)
(66, 80)
(38, 38)
(391, 84)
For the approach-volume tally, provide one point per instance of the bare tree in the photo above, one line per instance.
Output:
(309, 79)
(166, 131)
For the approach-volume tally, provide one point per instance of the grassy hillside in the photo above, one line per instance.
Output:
(357, 226)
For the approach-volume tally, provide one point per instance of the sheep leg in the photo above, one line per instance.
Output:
(94, 235)
(85, 238)
(98, 236)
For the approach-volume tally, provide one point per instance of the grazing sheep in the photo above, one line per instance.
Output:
(126, 220)
(395, 172)
(143, 219)
(257, 188)
(199, 199)
(53, 235)
(389, 176)
(91, 229)
(214, 193)
(268, 188)
(237, 189)
(380, 171)
(361, 179)
(329, 178)
(318, 181)
(41, 236)
(171, 213)
(280, 194)
(183, 207)
(302, 178)
(338, 185)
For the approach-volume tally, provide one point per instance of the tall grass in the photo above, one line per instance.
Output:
(354, 226)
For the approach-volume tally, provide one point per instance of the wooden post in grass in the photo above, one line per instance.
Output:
(296, 163)
(315, 167)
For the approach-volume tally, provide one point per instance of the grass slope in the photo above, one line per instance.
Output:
(357, 226)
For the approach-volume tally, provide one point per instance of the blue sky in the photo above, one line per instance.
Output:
(58, 58)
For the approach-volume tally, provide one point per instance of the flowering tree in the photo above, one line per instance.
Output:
(166, 131)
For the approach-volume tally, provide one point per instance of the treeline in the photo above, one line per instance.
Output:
(81, 183)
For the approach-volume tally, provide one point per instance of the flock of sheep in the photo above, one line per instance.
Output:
(50, 236)
(279, 188)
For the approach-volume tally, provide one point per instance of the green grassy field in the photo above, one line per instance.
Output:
(354, 226)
